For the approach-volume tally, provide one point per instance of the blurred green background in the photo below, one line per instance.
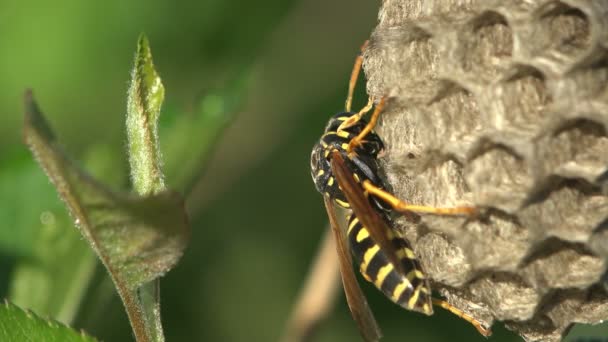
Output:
(256, 218)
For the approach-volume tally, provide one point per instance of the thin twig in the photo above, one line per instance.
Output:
(318, 294)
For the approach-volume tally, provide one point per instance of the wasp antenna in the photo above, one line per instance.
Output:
(354, 75)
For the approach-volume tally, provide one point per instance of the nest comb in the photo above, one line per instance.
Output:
(504, 105)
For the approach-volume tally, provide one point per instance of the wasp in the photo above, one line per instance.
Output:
(345, 170)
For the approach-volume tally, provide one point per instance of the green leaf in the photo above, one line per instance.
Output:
(138, 239)
(19, 325)
(146, 94)
(191, 137)
(145, 97)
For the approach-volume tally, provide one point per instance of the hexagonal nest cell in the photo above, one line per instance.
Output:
(502, 105)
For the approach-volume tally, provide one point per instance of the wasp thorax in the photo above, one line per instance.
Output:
(362, 161)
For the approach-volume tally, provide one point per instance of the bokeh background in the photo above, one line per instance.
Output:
(256, 218)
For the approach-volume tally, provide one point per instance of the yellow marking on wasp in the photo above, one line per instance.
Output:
(365, 276)
(362, 235)
(400, 254)
(342, 203)
(324, 144)
(409, 253)
(326, 153)
(368, 256)
(342, 118)
(424, 290)
(398, 291)
(343, 134)
(344, 146)
(414, 274)
(426, 308)
(352, 224)
(382, 274)
(329, 133)
(414, 298)
(330, 181)
(320, 173)
(356, 178)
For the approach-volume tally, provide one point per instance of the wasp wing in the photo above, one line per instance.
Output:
(378, 229)
(359, 308)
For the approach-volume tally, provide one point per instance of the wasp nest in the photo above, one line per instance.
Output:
(502, 105)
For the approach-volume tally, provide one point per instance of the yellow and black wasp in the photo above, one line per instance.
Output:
(345, 170)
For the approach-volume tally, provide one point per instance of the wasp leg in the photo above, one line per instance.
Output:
(354, 75)
(355, 118)
(402, 206)
(477, 324)
(356, 141)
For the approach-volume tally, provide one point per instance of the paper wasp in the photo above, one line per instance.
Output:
(345, 170)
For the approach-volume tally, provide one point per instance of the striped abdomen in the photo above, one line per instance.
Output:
(408, 288)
